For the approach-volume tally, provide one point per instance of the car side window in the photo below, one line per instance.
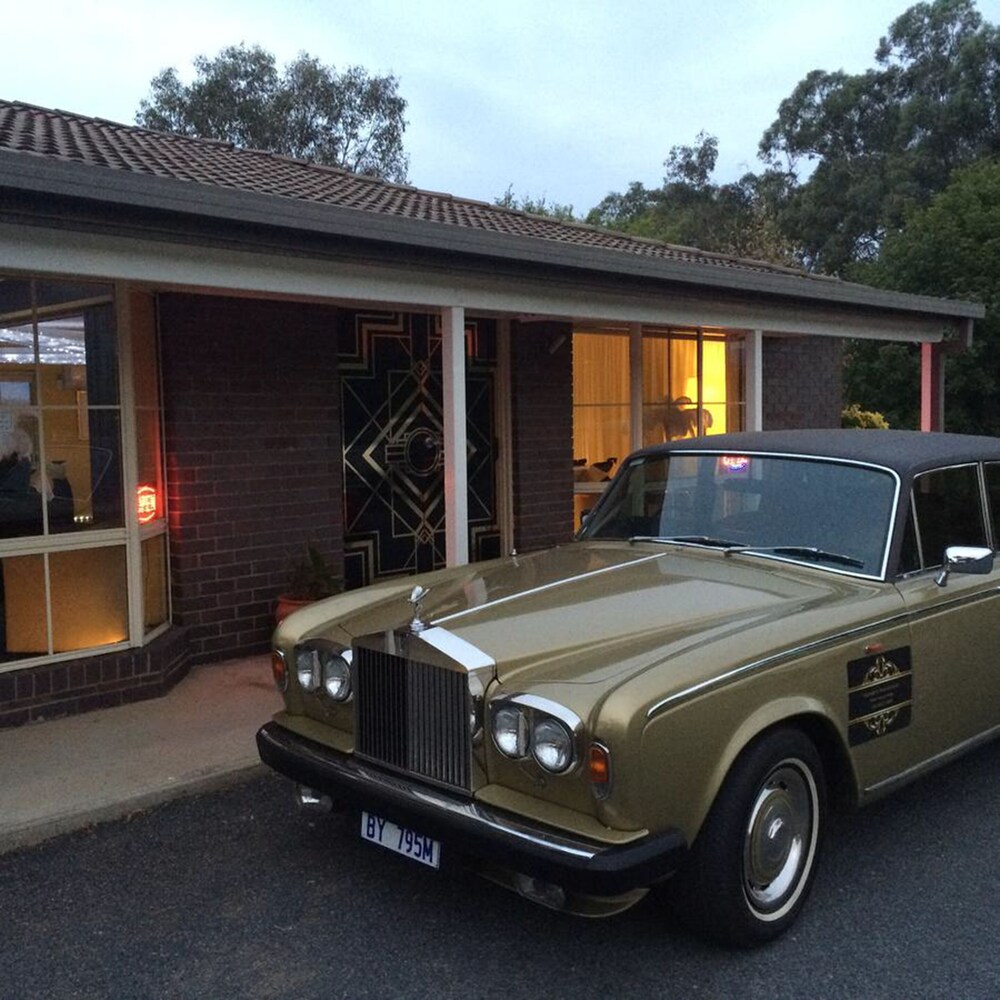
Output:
(909, 554)
(946, 509)
(992, 472)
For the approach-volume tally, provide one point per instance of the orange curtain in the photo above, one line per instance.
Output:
(600, 402)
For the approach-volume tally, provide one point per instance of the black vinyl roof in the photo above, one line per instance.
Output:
(906, 452)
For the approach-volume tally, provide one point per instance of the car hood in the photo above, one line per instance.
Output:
(591, 612)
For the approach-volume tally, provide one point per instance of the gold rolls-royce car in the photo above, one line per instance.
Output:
(748, 629)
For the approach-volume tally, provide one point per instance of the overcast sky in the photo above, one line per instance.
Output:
(561, 99)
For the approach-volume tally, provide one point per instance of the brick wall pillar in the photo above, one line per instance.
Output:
(252, 427)
(542, 424)
(802, 382)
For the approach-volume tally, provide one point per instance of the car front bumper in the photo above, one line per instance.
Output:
(494, 837)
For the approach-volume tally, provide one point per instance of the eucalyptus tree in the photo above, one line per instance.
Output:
(882, 142)
(309, 110)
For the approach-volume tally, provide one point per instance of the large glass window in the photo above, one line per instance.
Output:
(87, 602)
(60, 420)
(68, 526)
(692, 385)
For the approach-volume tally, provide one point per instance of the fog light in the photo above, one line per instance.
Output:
(310, 800)
(539, 891)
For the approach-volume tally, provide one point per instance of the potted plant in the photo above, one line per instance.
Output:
(312, 579)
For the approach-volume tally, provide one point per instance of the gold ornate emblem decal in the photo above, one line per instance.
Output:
(882, 669)
(880, 690)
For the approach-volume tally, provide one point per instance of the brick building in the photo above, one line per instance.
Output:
(211, 358)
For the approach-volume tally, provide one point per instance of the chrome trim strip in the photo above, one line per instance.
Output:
(286, 672)
(601, 792)
(932, 763)
(550, 586)
(906, 617)
(488, 819)
(809, 647)
(954, 602)
(792, 561)
(546, 706)
(456, 648)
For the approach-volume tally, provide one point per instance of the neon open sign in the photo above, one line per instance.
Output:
(147, 504)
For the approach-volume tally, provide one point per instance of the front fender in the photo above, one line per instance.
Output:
(688, 752)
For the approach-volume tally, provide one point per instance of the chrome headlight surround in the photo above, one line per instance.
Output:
(526, 725)
(325, 667)
(279, 669)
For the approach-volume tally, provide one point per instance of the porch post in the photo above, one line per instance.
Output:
(754, 377)
(456, 473)
(931, 387)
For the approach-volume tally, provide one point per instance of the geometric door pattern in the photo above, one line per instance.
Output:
(391, 409)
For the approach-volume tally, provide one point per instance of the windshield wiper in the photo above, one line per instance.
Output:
(722, 543)
(805, 551)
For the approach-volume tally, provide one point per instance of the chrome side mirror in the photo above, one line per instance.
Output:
(965, 559)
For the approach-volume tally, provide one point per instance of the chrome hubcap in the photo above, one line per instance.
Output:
(780, 838)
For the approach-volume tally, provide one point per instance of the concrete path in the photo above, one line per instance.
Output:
(70, 773)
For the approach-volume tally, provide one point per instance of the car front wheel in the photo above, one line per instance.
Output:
(752, 864)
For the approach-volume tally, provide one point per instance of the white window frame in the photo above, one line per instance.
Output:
(131, 535)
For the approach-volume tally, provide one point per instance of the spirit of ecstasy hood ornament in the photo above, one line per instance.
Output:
(417, 596)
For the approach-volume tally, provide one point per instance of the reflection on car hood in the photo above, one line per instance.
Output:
(591, 612)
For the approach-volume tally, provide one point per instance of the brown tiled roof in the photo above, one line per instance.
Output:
(66, 136)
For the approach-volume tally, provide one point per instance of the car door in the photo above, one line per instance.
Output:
(954, 624)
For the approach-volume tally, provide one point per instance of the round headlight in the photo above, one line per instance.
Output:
(510, 731)
(336, 677)
(552, 745)
(307, 668)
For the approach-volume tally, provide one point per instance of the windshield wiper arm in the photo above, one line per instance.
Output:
(806, 551)
(723, 543)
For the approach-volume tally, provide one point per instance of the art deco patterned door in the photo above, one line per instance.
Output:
(391, 410)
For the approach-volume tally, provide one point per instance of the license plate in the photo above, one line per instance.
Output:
(410, 844)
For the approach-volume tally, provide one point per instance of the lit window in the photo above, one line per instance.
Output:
(62, 474)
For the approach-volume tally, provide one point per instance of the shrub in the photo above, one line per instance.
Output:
(854, 416)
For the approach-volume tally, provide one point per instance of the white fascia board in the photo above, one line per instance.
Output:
(119, 191)
(167, 265)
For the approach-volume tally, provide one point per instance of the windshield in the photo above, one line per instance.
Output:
(808, 510)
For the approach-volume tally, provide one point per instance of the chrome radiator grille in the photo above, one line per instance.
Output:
(414, 717)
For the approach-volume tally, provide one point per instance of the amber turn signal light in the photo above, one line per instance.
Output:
(599, 764)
